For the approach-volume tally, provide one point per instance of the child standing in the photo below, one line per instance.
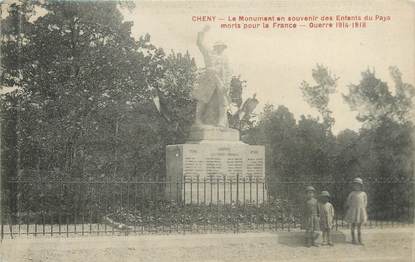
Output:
(356, 213)
(311, 220)
(326, 212)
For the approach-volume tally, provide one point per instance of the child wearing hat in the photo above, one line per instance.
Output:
(356, 213)
(326, 212)
(311, 220)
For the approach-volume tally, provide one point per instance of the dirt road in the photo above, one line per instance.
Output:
(395, 244)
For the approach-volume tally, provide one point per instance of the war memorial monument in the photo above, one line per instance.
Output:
(214, 165)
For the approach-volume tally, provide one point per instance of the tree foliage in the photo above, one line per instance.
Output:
(381, 152)
(318, 96)
(375, 102)
(84, 91)
(385, 147)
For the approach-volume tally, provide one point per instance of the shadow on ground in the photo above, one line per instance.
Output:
(297, 239)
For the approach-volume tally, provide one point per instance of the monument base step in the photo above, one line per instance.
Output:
(212, 134)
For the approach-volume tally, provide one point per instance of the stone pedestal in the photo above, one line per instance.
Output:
(212, 134)
(214, 166)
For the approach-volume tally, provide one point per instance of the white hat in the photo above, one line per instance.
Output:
(220, 43)
(325, 194)
(310, 188)
(358, 180)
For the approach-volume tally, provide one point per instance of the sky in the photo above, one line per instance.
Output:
(275, 61)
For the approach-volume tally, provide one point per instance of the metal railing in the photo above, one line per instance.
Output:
(52, 207)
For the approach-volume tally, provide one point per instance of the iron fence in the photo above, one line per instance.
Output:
(57, 207)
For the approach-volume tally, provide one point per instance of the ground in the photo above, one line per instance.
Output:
(388, 244)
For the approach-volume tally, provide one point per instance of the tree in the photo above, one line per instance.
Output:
(318, 96)
(66, 70)
(84, 109)
(276, 129)
(385, 149)
(347, 152)
(85, 84)
(300, 152)
(375, 103)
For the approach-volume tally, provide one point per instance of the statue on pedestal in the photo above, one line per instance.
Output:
(212, 86)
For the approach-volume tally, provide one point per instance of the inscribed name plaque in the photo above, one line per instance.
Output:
(216, 172)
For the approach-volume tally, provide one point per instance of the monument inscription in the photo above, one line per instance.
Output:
(214, 160)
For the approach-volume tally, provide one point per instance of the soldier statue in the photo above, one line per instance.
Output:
(212, 86)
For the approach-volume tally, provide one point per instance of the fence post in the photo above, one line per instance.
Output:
(224, 189)
(142, 188)
(19, 204)
(178, 190)
(250, 189)
(61, 204)
(27, 222)
(204, 190)
(237, 190)
(98, 206)
(128, 193)
(217, 190)
(184, 190)
(51, 222)
(224, 202)
(230, 189)
(43, 205)
(191, 190)
(197, 189)
(107, 199)
(89, 206)
(167, 181)
(1, 186)
(67, 225)
(135, 202)
(217, 201)
(81, 183)
(113, 196)
(256, 182)
(211, 189)
(244, 187)
(89, 198)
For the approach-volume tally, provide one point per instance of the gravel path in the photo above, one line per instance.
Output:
(395, 244)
